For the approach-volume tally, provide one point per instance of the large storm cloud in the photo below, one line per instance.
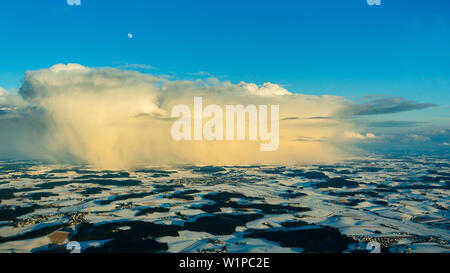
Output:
(118, 119)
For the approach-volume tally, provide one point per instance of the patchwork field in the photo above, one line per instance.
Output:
(399, 202)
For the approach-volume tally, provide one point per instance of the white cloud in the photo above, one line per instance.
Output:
(355, 135)
(416, 138)
(116, 119)
(10, 100)
(68, 67)
(267, 89)
(444, 144)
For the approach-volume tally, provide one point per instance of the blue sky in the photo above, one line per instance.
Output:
(346, 48)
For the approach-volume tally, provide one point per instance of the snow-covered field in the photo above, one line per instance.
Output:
(400, 202)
